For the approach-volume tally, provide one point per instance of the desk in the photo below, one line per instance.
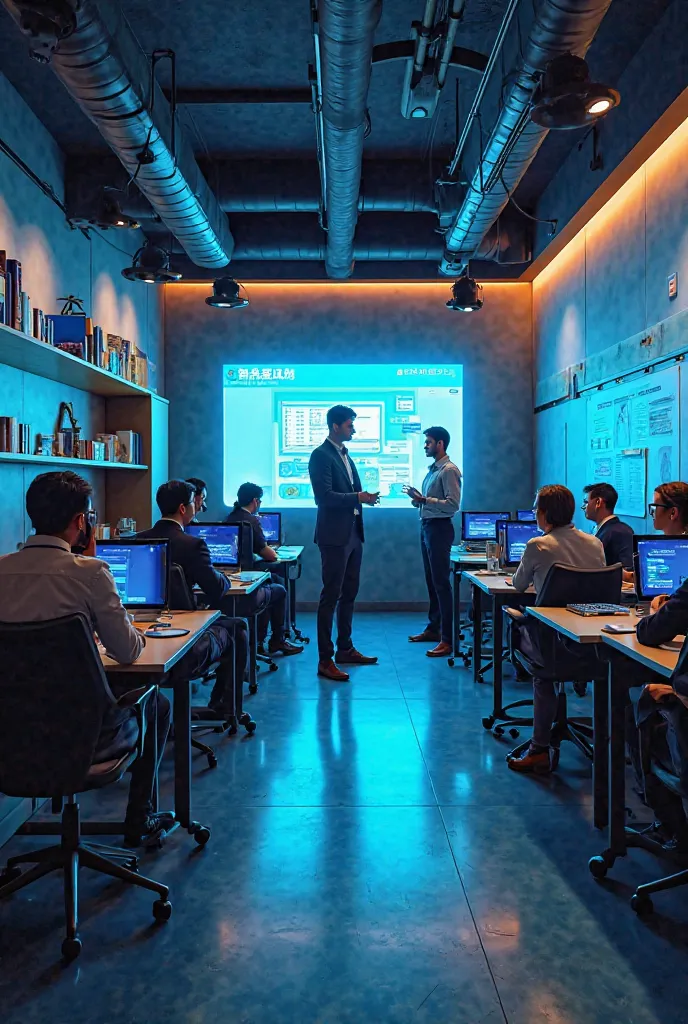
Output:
(660, 663)
(289, 562)
(461, 561)
(157, 658)
(236, 591)
(587, 629)
(501, 593)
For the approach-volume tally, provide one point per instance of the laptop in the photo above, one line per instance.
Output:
(479, 527)
(141, 569)
(222, 540)
(660, 563)
(272, 527)
(525, 515)
(514, 536)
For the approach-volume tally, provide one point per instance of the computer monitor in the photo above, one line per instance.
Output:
(525, 515)
(479, 526)
(272, 526)
(222, 540)
(515, 537)
(661, 565)
(141, 569)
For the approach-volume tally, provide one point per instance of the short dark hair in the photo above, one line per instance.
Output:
(197, 484)
(246, 493)
(557, 503)
(173, 494)
(606, 492)
(339, 414)
(53, 499)
(675, 493)
(438, 434)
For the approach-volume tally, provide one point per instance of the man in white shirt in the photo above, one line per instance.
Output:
(561, 543)
(47, 580)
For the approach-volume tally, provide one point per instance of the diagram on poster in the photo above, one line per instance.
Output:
(633, 437)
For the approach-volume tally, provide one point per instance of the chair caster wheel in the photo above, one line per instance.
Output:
(488, 722)
(599, 866)
(498, 730)
(641, 904)
(212, 761)
(162, 910)
(273, 667)
(132, 865)
(450, 662)
(232, 729)
(480, 678)
(514, 733)
(71, 949)
(253, 687)
(251, 727)
(9, 875)
(201, 834)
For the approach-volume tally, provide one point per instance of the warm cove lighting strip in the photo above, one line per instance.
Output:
(438, 285)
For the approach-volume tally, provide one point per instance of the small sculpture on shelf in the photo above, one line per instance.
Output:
(67, 439)
(70, 301)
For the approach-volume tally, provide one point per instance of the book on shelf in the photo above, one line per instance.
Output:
(14, 273)
(110, 443)
(130, 448)
(26, 317)
(9, 434)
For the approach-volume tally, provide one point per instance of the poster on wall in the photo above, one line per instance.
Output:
(633, 437)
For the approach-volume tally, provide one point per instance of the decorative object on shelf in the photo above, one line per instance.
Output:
(70, 444)
(70, 301)
(44, 444)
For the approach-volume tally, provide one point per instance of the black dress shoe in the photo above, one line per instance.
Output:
(152, 827)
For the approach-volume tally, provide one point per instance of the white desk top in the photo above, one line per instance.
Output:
(160, 653)
(459, 557)
(655, 658)
(496, 585)
(239, 589)
(584, 629)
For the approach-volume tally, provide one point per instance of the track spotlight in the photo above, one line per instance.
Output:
(467, 295)
(567, 99)
(111, 216)
(151, 264)
(227, 294)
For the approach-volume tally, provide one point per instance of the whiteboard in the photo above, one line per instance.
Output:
(633, 437)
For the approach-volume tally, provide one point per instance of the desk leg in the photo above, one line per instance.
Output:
(182, 753)
(253, 654)
(456, 611)
(477, 632)
(288, 615)
(617, 777)
(600, 764)
(497, 631)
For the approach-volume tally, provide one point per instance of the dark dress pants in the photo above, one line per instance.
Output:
(272, 602)
(215, 646)
(341, 570)
(436, 539)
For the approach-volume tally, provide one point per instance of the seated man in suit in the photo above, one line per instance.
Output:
(176, 504)
(200, 496)
(47, 580)
(599, 503)
(272, 598)
(563, 544)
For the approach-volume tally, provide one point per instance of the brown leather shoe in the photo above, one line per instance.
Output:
(443, 650)
(353, 657)
(539, 763)
(285, 648)
(328, 670)
(426, 637)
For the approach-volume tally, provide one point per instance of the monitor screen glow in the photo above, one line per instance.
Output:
(481, 525)
(139, 571)
(662, 564)
(222, 540)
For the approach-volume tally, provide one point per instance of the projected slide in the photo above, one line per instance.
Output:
(274, 416)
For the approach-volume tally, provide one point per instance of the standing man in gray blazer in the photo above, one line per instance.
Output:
(438, 502)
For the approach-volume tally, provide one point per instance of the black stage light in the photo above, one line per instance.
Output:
(567, 99)
(151, 264)
(467, 295)
(227, 294)
(111, 216)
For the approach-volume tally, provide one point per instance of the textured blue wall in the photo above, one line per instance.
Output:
(349, 323)
(57, 260)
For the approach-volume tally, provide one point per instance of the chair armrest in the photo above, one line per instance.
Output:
(515, 614)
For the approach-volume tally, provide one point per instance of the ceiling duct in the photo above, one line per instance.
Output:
(344, 44)
(106, 72)
(559, 26)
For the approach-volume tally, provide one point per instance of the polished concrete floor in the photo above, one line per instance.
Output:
(372, 860)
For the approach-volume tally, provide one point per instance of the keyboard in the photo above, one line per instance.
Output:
(598, 609)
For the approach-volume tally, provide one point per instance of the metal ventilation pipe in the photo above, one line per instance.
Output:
(345, 39)
(108, 75)
(559, 26)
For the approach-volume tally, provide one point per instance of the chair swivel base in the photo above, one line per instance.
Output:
(637, 838)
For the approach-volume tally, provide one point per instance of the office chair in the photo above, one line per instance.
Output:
(53, 698)
(182, 599)
(565, 660)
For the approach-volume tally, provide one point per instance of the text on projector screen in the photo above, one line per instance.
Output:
(274, 416)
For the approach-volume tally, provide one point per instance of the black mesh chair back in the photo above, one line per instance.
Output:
(181, 597)
(566, 584)
(53, 696)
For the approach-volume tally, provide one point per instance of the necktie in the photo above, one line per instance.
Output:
(345, 451)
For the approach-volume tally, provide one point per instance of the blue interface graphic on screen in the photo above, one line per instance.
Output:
(517, 536)
(271, 523)
(481, 525)
(139, 571)
(222, 541)
(663, 565)
(274, 416)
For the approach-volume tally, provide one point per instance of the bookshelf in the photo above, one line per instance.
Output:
(55, 460)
